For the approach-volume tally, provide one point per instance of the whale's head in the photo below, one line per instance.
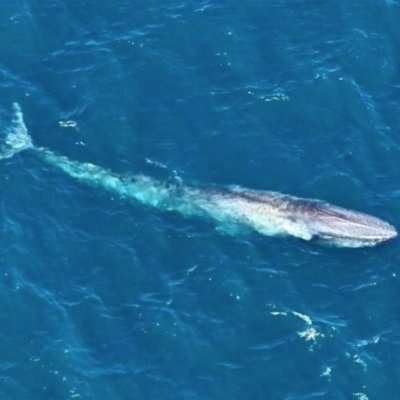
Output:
(342, 227)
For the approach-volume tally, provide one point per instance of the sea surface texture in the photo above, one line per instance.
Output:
(105, 298)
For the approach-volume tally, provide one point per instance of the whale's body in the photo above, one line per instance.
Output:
(269, 213)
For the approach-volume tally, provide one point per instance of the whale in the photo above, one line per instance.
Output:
(232, 208)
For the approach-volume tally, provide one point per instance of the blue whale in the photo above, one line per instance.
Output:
(232, 208)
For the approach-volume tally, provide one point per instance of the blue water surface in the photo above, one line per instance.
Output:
(105, 298)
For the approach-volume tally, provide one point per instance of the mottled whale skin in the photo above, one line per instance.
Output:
(232, 208)
(273, 213)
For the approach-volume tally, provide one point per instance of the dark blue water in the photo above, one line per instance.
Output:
(105, 298)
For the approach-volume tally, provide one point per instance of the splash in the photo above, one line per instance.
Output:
(17, 137)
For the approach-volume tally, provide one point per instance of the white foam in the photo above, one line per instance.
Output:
(17, 137)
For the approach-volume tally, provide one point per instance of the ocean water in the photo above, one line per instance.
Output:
(105, 298)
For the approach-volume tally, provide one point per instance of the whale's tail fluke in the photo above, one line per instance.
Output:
(17, 138)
